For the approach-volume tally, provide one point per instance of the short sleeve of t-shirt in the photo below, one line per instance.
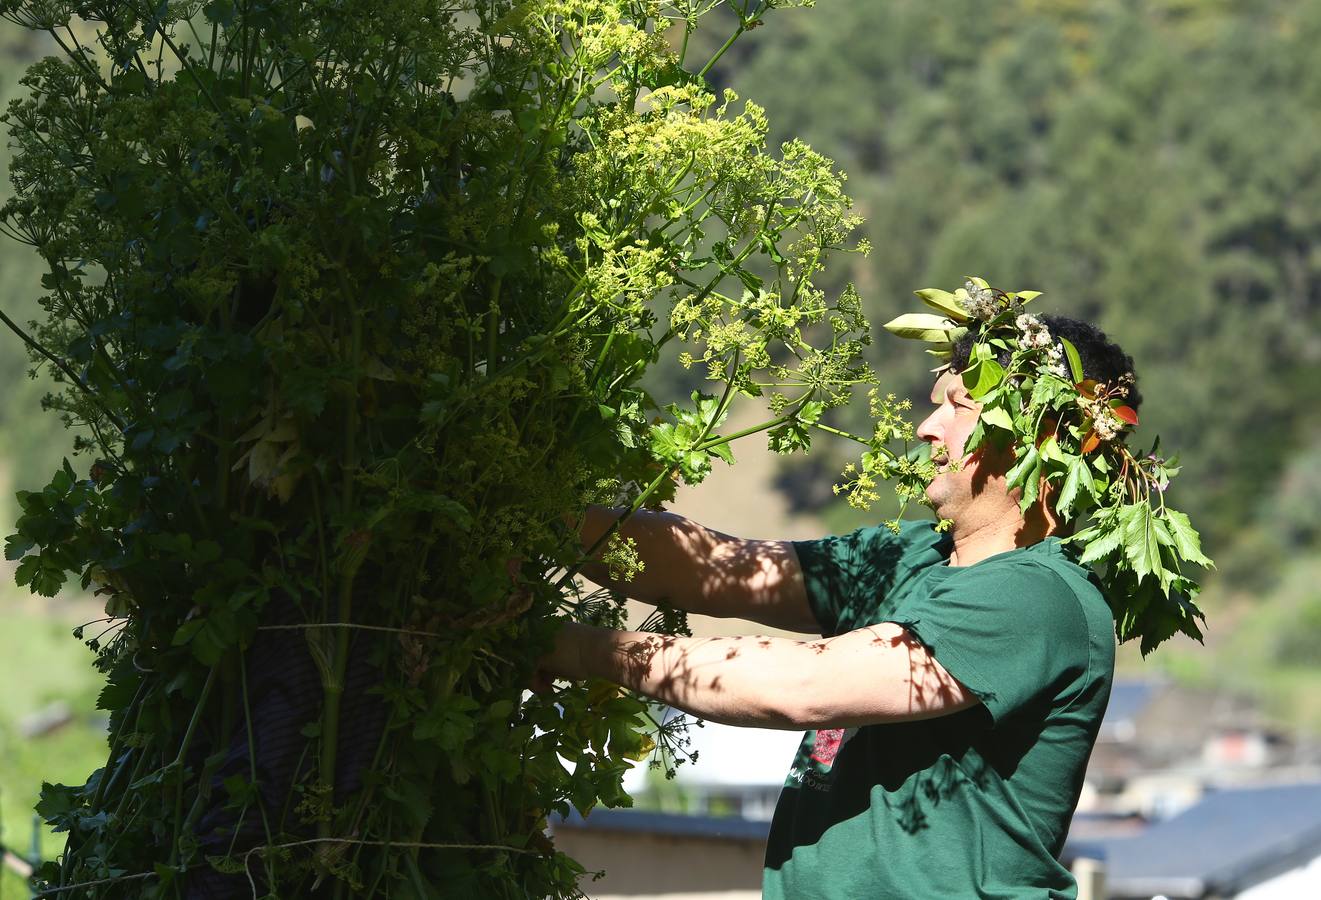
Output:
(1014, 634)
(847, 574)
(837, 570)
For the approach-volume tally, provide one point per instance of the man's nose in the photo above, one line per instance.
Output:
(928, 429)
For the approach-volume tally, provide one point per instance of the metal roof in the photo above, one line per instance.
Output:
(674, 824)
(1128, 698)
(1232, 839)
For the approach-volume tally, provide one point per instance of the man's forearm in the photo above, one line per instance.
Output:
(880, 673)
(726, 680)
(664, 541)
(694, 568)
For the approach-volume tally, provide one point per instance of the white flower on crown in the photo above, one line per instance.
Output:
(1033, 333)
(981, 301)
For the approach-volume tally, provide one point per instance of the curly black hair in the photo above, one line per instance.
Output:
(1102, 359)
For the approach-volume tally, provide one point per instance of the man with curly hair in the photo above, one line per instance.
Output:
(950, 705)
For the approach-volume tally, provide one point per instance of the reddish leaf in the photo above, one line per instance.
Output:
(1087, 388)
(1091, 442)
(1126, 413)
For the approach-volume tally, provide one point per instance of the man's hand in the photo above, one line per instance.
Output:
(564, 661)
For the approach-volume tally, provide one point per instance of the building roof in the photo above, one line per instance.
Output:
(1128, 698)
(1231, 840)
(669, 824)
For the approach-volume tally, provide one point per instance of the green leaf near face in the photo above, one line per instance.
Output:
(1075, 362)
(997, 417)
(982, 377)
(1078, 487)
(1028, 463)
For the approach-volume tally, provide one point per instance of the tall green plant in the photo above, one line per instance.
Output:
(353, 299)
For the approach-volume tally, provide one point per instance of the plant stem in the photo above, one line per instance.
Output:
(840, 433)
(764, 426)
(334, 686)
(252, 766)
(179, 760)
(493, 329)
(738, 32)
(62, 366)
(103, 787)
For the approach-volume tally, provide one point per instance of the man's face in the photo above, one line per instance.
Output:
(947, 429)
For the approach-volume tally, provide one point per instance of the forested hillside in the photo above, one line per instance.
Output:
(1154, 165)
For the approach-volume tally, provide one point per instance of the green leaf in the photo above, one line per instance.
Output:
(943, 302)
(1073, 483)
(500, 709)
(164, 874)
(974, 440)
(41, 574)
(119, 691)
(1141, 546)
(723, 451)
(998, 417)
(1075, 362)
(668, 441)
(1163, 536)
(16, 545)
(187, 631)
(1030, 461)
(983, 377)
(450, 725)
(921, 327)
(1186, 539)
(56, 803)
(1107, 540)
(1046, 391)
(1050, 450)
(1031, 485)
(792, 435)
(810, 412)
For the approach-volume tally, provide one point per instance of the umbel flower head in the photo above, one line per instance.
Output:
(1069, 432)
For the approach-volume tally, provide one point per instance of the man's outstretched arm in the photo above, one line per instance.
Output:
(701, 570)
(876, 674)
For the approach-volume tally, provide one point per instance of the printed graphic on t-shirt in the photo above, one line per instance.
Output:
(812, 767)
(826, 746)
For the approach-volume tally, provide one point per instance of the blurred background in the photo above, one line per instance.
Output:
(1153, 166)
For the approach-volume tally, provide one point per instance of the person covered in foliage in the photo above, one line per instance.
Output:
(965, 666)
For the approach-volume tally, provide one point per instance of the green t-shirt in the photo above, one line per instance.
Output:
(973, 804)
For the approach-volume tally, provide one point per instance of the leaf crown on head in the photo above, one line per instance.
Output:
(1070, 432)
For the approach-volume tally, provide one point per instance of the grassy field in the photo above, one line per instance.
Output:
(41, 664)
